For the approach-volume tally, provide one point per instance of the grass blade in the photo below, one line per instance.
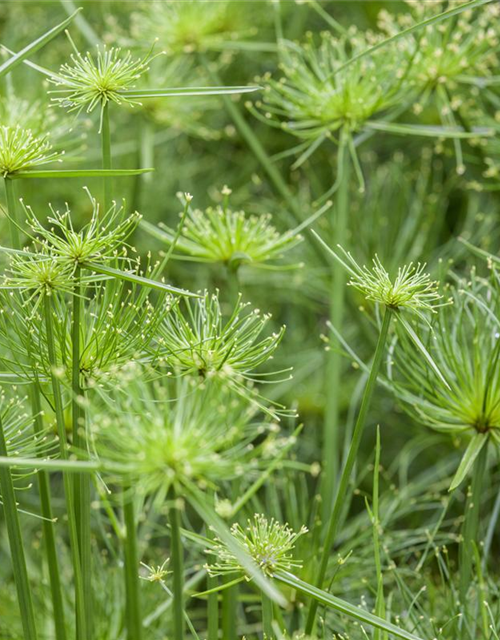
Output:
(470, 455)
(171, 92)
(342, 606)
(79, 173)
(141, 280)
(34, 46)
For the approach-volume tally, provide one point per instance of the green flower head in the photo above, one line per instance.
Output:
(21, 150)
(464, 342)
(166, 431)
(99, 240)
(317, 96)
(221, 235)
(268, 542)
(412, 288)
(90, 82)
(192, 25)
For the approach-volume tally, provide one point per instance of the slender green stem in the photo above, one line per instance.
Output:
(470, 528)
(12, 211)
(16, 546)
(332, 444)
(229, 613)
(48, 528)
(177, 559)
(82, 482)
(133, 611)
(106, 155)
(346, 474)
(212, 602)
(267, 617)
(233, 284)
(68, 484)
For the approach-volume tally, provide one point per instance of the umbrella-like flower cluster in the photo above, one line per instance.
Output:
(267, 542)
(221, 235)
(20, 149)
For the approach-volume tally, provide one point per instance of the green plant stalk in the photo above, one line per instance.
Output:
(81, 628)
(133, 609)
(106, 155)
(177, 558)
(267, 617)
(332, 444)
(10, 195)
(212, 602)
(229, 613)
(470, 528)
(48, 528)
(82, 482)
(347, 470)
(16, 547)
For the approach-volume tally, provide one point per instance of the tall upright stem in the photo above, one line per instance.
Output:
(267, 617)
(177, 558)
(229, 612)
(48, 527)
(106, 155)
(470, 529)
(81, 481)
(332, 443)
(133, 611)
(12, 210)
(16, 546)
(81, 621)
(346, 474)
(212, 602)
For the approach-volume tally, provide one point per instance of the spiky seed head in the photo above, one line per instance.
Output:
(155, 574)
(100, 240)
(268, 542)
(174, 430)
(38, 274)
(192, 26)
(316, 95)
(21, 150)
(220, 234)
(90, 82)
(412, 288)
(464, 340)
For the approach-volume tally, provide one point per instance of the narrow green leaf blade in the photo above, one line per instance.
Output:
(481, 253)
(428, 131)
(342, 606)
(170, 92)
(132, 277)
(471, 453)
(420, 346)
(34, 46)
(78, 173)
(72, 466)
(199, 503)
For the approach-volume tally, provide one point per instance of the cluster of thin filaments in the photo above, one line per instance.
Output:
(90, 82)
(411, 289)
(317, 96)
(268, 542)
(40, 274)
(219, 234)
(20, 150)
(201, 341)
(99, 240)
